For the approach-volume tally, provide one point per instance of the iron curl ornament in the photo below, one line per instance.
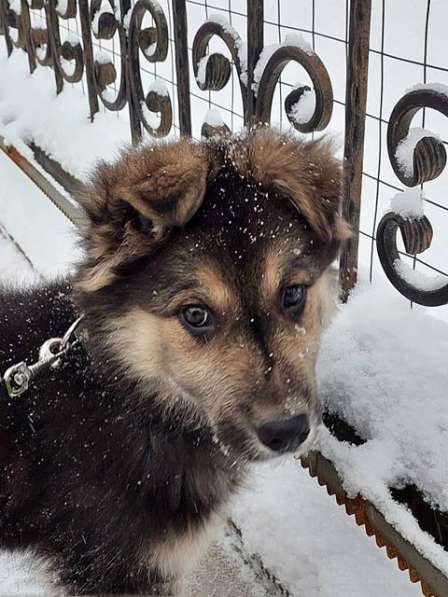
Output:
(15, 22)
(212, 71)
(428, 161)
(104, 25)
(267, 74)
(153, 43)
(70, 50)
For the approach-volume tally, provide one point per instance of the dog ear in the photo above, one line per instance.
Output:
(307, 173)
(133, 204)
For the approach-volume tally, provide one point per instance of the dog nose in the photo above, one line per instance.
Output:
(284, 435)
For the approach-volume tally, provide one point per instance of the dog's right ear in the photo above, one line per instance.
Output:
(133, 204)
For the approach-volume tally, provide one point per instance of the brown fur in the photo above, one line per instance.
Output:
(138, 442)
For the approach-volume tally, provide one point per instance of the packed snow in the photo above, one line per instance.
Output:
(405, 149)
(241, 47)
(419, 280)
(82, 143)
(292, 39)
(302, 111)
(409, 204)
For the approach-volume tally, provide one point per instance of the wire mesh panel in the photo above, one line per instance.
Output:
(200, 67)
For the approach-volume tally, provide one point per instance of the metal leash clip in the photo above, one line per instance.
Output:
(18, 377)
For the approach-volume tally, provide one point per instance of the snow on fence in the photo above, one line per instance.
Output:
(204, 67)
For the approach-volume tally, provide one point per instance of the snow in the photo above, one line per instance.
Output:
(149, 51)
(158, 86)
(420, 280)
(408, 204)
(437, 87)
(405, 149)
(22, 574)
(292, 39)
(62, 6)
(309, 542)
(29, 217)
(71, 36)
(241, 47)
(213, 118)
(42, 120)
(103, 57)
(382, 368)
(303, 110)
(14, 265)
(16, 6)
(202, 70)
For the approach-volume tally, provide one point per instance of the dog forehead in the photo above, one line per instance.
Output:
(240, 218)
(242, 238)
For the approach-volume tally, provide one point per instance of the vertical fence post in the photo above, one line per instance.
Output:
(255, 40)
(134, 119)
(89, 66)
(182, 65)
(4, 21)
(54, 41)
(26, 24)
(355, 117)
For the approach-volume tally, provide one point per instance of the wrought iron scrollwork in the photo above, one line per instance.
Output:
(104, 25)
(70, 50)
(427, 163)
(268, 79)
(212, 71)
(15, 21)
(153, 43)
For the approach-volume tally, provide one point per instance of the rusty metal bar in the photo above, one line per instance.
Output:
(68, 208)
(355, 116)
(182, 65)
(4, 9)
(88, 56)
(434, 582)
(255, 43)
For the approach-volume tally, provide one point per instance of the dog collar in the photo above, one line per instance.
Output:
(17, 378)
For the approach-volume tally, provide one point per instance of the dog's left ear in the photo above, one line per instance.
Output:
(304, 172)
(133, 204)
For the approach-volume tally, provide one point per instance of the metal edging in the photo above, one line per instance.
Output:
(433, 581)
(71, 212)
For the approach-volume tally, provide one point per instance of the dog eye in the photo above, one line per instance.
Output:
(293, 298)
(197, 319)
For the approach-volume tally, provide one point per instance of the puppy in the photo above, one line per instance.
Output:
(203, 292)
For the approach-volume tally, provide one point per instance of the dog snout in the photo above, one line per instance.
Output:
(286, 434)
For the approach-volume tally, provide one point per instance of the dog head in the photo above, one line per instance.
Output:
(205, 281)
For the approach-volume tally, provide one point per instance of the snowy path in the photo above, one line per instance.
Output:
(320, 552)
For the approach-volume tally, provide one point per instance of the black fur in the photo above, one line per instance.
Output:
(92, 476)
(96, 475)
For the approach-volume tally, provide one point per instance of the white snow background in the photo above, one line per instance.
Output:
(382, 364)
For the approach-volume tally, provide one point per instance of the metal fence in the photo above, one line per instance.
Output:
(162, 66)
